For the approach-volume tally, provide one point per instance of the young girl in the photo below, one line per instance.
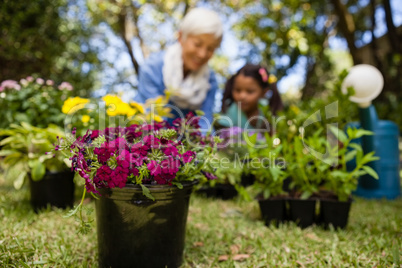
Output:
(244, 91)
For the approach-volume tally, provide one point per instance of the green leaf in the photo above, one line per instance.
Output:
(371, 172)
(147, 192)
(339, 133)
(350, 155)
(362, 132)
(305, 195)
(38, 171)
(356, 146)
(339, 174)
(72, 212)
(19, 181)
(6, 152)
(199, 113)
(178, 184)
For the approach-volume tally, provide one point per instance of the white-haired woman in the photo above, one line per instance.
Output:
(183, 67)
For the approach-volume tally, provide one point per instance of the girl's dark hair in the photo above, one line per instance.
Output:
(252, 70)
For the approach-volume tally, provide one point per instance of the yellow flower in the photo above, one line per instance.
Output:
(111, 99)
(85, 118)
(114, 105)
(71, 105)
(138, 106)
(125, 109)
(272, 79)
(157, 106)
(294, 109)
(154, 117)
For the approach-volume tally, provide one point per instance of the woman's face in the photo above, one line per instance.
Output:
(197, 50)
(247, 92)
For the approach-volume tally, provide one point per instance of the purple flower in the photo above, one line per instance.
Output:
(140, 149)
(170, 149)
(208, 175)
(118, 177)
(102, 175)
(188, 156)
(230, 132)
(154, 168)
(124, 159)
(151, 141)
(104, 153)
(154, 126)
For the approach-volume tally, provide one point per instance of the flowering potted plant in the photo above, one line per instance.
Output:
(34, 101)
(143, 176)
(24, 150)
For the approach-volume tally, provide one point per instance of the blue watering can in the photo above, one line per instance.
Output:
(368, 82)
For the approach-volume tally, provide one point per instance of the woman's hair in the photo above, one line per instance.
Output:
(260, 75)
(201, 21)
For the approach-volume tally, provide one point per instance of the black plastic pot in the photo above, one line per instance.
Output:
(334, 212)
(55, 189)
(134, 231)
(220, 190)
(273, 210)
(247, 179)
(302, 211)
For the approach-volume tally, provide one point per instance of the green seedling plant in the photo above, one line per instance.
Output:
(264, 163)
(342, 181)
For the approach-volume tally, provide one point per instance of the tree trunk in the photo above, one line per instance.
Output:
(123, 33)
(347, 28)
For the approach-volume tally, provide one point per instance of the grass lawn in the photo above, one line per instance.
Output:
(219, 234)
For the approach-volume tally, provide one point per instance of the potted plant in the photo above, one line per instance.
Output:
(307, 171)
(229, 166)
(228, 174)
(342, 180)
(25, 158)
(266, 163)
(33, 100)
(143, 176)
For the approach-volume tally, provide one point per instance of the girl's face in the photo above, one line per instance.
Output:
(247, 92)
(197, 50)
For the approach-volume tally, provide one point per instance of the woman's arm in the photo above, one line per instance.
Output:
(150, 79)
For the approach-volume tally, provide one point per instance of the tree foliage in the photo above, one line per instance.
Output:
(287, 32)
(48, 38)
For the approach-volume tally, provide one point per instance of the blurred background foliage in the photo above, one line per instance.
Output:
(85, 43)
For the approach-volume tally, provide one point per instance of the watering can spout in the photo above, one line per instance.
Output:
(367, 83)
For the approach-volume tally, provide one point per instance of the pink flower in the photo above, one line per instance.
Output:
(49, 82)
(10, 84)
(66, 86)
(264, 74)
(40, 81)
(30, 79)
